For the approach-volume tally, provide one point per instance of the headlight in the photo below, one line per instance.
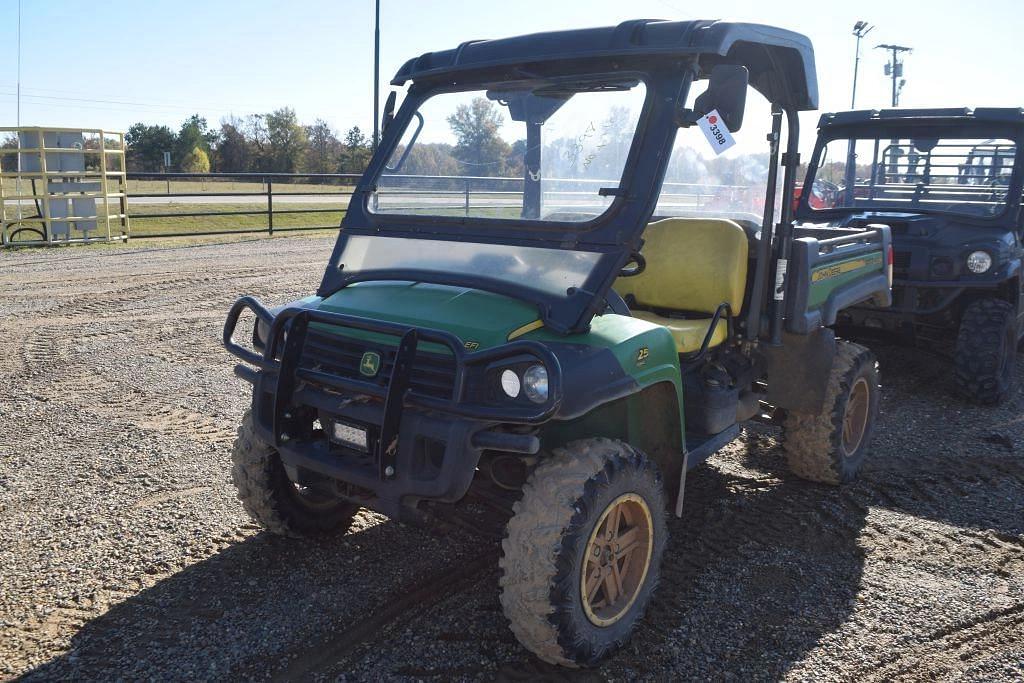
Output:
(510, 383)
(260, 332)
(979, 261)
(535, 383)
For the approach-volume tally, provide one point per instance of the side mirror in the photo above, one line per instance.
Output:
(727, 92)
(389, 111)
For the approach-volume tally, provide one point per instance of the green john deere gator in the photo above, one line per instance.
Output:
(559, 282)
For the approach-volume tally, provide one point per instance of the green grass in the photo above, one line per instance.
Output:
(161, 187)
(188, 224)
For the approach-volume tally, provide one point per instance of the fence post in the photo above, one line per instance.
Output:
(467, 196)
(270, 207)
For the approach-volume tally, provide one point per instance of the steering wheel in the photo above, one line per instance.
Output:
(640, 264)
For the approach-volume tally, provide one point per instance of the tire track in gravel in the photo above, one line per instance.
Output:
(334, 653)
(75, 383)
(946, 651)
(138, 292)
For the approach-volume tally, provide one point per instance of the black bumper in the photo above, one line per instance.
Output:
(419, 446)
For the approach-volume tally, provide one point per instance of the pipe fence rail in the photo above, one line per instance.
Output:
(195, 204)
(196, 196)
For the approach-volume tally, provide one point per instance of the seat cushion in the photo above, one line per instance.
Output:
(688, 334)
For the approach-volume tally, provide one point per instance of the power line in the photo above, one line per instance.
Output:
(98, 101)
(101, 107)
(154, 103)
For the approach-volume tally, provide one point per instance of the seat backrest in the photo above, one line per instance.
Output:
(693, 264)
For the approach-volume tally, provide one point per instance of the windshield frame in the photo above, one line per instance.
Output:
(911, 128)
(407, 117)
(615, 234)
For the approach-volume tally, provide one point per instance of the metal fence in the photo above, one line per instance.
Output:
(163, 204)
(191, 204)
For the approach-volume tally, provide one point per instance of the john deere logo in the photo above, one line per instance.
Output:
(370, 364)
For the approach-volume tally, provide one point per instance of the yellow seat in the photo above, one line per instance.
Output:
(689, 334)
(693, 266)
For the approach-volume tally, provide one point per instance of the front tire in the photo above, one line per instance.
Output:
(583, 551)
(273, 500)
(830, 447)
(986, 351)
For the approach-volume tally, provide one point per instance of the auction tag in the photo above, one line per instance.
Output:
(716, 132)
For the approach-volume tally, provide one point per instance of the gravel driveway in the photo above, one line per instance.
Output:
(125, 554)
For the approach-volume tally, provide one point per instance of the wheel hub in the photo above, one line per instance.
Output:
(618, 559)
(855, 419)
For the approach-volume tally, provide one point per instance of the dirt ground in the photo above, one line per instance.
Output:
(124, 553)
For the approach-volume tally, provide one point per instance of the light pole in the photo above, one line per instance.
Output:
(895, 69)
(860, 29)
(17, 182)
(376, 75)
(18, 116)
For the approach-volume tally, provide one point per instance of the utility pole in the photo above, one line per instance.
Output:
(860, 29)
(895, 69)
(376, 76)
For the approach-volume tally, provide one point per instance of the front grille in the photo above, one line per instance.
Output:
(900, 261)
(432, 374)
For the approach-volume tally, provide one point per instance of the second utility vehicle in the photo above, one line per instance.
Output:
(544, 286)
(948, 183)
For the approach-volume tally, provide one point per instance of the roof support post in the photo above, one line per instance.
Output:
(784, 232)
(761, 269)
(531, 172)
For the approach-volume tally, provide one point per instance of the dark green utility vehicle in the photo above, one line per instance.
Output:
(528, 302)
(948, 183)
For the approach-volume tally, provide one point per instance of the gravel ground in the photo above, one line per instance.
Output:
(126, 555)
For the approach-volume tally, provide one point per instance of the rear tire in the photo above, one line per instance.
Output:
(273, 500)
(830, 447)
(583, 551)
(986, 352)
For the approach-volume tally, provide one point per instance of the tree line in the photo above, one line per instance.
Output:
(277, 143)
(259, 143)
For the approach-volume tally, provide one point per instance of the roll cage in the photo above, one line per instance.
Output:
(896, 124)
(668, 57)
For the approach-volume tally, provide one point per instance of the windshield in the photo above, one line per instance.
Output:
(539, 152)
(965, 176)
(551, 271)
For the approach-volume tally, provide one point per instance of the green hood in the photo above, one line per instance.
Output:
(470, 314)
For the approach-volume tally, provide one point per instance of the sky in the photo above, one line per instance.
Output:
(108, 65)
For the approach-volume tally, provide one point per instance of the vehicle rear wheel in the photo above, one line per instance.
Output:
(582, 554)
(986, 351)
(279, 505)
(830, 447)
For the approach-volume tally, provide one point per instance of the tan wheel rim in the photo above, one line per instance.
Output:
(855, 422)
(617, 558)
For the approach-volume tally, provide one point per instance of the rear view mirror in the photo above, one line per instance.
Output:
(727, 92)
(389, 111)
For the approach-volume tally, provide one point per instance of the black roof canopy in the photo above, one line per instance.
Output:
(781, 62)
(999, 115)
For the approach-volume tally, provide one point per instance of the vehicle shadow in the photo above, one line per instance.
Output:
(249, 608)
